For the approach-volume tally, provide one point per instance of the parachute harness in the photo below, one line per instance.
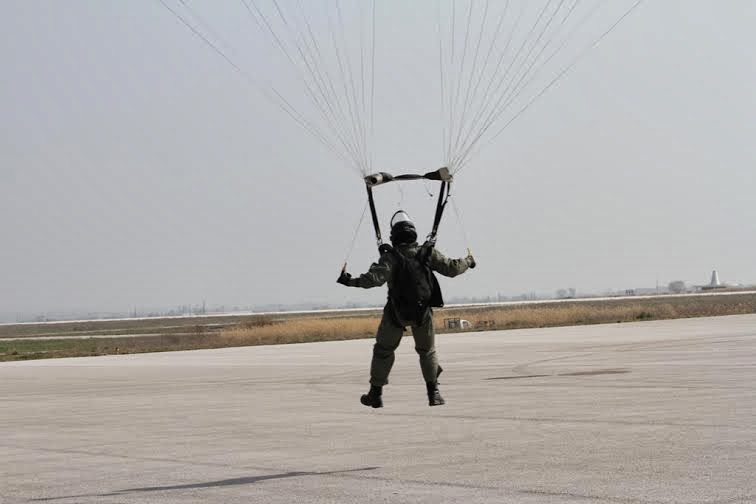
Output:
(442, 174)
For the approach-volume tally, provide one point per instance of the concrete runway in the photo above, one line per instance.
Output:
(661, 411)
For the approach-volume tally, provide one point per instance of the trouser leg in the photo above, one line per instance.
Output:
(387, 339)
(425, 347)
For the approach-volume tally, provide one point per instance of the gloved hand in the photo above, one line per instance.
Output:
(344, 278)
(470, 259)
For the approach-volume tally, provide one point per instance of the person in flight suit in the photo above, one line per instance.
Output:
(408, 269)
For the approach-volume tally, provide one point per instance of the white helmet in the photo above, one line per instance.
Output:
(402, 228)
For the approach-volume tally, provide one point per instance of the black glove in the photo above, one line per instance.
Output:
(344, 278)
(471, 261)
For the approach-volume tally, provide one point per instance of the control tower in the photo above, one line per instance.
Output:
(715, 283)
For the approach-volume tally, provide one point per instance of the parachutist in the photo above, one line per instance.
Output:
(413, 292)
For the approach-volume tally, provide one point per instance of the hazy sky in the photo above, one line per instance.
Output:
(138, 169)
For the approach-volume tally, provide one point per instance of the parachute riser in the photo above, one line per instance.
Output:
(373, 213)
(443, 198)
(442, 174)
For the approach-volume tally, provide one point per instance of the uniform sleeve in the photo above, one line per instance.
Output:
(377, 275)
(448, 267)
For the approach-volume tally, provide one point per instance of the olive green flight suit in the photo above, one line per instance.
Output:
(391, 328)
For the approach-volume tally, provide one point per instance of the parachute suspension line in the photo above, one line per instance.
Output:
(359, 112)
(519, 87)
(400, 190)
(202, 37)
(335, 91)
(206, 26)
(514, 85)
(279, 100)
(349, 112)
(356, 233)
(441, 82)
(511, 86)
(451, 80)
(362, 87)
(475, 125)
(367, 122)
(461, 224)
(457, 84)
(487, 93)
(324, 104)
(515, 88)
(504, 100)
(555, 52)
(495, 38)
(466, 103)
(352, 132)
(346, 88)
(427, 189)
(348, 97)
(372, 87)
(306, 54)
(557, 78)
(325, 86)
(271, 94)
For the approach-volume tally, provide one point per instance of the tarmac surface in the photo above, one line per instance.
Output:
(648, 412)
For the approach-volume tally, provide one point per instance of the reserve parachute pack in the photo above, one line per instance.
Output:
(414, 287)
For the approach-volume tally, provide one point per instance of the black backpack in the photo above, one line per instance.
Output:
(414, 287)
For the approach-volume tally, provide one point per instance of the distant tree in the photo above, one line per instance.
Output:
(677, 286)
(561, 293)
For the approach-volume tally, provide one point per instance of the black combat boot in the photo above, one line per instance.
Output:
(373, 398)
(434, 396)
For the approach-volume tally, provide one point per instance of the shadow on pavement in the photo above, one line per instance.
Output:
(249, 480)
(594, 372)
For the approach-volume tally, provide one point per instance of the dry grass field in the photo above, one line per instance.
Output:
(499, 317)
(78, 339)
